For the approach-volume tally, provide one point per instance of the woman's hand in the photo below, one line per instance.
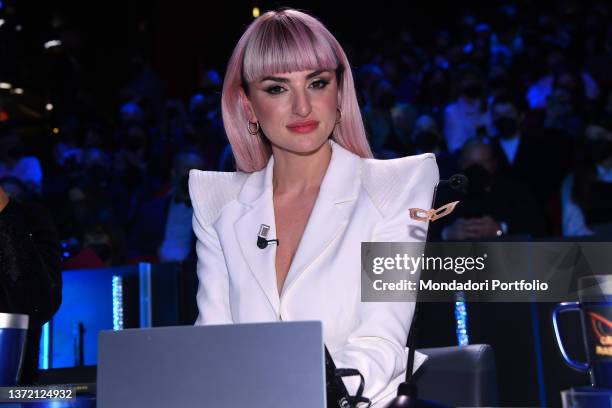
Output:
(473, 228)
(3, 199)
(485, 227)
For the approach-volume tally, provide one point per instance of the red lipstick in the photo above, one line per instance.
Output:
(306, 126)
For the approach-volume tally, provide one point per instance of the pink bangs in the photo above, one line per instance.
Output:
(286, 45)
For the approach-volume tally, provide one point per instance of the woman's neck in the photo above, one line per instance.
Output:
(296, 173)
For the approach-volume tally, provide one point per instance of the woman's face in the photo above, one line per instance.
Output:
(295, 110)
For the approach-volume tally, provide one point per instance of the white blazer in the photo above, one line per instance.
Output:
(360, 200)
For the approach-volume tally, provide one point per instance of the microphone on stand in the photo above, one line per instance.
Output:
(456, 182)
(407, 396)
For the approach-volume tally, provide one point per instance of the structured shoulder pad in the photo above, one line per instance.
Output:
(386, 181)
(210, 191)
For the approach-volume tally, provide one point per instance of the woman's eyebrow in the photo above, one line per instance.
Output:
(315, 73)
(276, 79)
(285, 80)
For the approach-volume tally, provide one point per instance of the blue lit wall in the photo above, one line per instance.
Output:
(108, 299)
(87, 297)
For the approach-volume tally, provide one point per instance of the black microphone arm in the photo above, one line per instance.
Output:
(407, 391)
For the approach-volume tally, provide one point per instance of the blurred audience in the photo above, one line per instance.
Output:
(492, 204)
(162, 228)
(524, 83)
(586, 194)
(467, 117)
(14, 162)
(535, 157)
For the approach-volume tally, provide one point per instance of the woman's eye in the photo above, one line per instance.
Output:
(319, 84)
(274, 89)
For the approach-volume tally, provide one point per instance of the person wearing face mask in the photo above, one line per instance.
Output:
(162, 230)
(507, 119)
(467, 117)
(492, 206)
(586, 194)
(276, 240)
(519, 154)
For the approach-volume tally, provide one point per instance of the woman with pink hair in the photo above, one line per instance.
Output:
(280, 238)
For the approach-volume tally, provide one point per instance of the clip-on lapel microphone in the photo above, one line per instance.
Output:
(262, 237)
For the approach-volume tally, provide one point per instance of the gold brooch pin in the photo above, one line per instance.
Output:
(433, 214)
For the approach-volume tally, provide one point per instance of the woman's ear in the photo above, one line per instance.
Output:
(248, 108)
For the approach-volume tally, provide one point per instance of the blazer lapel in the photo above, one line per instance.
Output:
(331, 211)
(256, 194)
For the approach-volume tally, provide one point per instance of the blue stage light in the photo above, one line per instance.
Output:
(44, 348)
(117, 302)
(461, 319)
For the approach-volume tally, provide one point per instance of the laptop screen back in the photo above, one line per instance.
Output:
(256, 365)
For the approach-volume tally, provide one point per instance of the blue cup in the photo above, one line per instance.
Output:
(595, 307)
(13, 330)
(586, 397)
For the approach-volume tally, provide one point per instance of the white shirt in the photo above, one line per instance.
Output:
(179, 234)
(461, 121)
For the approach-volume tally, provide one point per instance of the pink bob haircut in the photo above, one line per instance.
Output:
(278, 42)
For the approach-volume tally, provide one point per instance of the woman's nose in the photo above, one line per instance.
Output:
(301, 103)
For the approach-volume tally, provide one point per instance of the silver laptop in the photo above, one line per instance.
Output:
(243, 365)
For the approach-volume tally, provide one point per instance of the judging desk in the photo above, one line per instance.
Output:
(468, 374)
(149, 295)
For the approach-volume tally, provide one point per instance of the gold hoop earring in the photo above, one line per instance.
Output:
(339, 115)
(251, 130)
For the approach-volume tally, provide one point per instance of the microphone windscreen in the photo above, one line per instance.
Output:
(261, 242)
(458, 182)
